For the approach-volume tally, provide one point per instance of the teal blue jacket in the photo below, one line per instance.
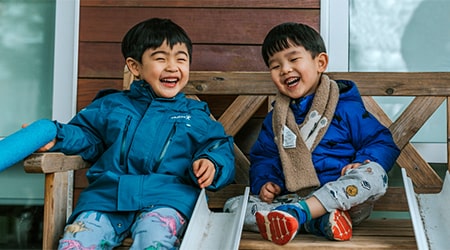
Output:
(142, 148)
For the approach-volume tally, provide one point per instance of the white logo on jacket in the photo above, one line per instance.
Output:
(186, 117)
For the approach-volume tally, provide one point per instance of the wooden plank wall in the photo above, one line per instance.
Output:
(226, 36)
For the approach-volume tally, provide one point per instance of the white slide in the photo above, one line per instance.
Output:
(214, 230)
(430, 215)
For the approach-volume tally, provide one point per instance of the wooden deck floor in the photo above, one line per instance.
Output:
(372, 234)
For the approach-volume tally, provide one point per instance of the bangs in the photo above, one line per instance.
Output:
(151, 34)
(289, 35)
(278, 46)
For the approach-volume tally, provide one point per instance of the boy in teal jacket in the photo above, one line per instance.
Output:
(152, 149)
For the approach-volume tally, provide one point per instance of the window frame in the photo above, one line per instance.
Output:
(65, 71)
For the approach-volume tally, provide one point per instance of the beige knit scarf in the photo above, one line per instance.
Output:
(296, 142)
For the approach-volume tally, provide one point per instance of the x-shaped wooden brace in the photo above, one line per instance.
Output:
(403, 129)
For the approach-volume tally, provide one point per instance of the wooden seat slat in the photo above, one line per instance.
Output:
(372, 234)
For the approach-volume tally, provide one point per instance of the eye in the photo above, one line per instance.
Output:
(273, 67)
(295, 59)
(182, 56)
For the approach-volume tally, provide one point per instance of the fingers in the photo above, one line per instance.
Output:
(266, 196)
(273, 188)
(269, 191)
(352, 166)
(47, 146)
(204, 170)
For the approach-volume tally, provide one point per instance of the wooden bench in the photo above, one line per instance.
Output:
(249, 93)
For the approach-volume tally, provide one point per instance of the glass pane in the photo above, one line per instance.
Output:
(26, 75)
(407, 35)
(402, 36)
(26, 62)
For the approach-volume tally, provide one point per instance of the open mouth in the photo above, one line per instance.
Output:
(169, 82)
(292, 81)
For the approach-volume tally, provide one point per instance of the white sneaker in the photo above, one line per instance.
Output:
(254, 205)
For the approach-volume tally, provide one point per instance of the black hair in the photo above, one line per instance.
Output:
(150, 34)
(286, 35)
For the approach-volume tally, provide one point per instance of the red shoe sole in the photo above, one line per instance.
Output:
(341, 225)
(277, 226)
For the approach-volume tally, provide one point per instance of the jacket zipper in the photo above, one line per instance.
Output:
(124, 140)
(164, 150)
(217, 144)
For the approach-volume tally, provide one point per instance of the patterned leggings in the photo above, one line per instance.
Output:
(160, 228)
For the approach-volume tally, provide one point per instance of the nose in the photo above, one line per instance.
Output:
(285, 69)
(171, 66)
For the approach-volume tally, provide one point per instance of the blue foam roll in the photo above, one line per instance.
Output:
(17, 146)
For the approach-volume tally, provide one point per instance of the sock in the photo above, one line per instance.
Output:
(305, 208)
(299, 210)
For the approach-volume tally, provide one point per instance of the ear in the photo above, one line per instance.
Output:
(322, 62)
(133, 66)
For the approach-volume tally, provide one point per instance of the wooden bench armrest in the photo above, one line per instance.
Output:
(53, 162)
(58, 190)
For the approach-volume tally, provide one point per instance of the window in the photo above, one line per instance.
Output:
(389, 35)
(38, 80)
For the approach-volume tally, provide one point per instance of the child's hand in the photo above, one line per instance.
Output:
(352, 166)
(269, 191)
(204, 170)
(47, 146)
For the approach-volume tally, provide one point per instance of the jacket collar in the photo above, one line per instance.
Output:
(141, 90)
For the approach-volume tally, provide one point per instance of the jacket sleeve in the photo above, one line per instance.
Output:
(218, 148)
(265, 163)
(371, 139)
(81, 135)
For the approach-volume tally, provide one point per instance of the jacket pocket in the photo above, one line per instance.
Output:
(167, 143)
(123, 146)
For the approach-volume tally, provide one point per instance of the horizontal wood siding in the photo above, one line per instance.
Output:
(312, 4)
(226, 34)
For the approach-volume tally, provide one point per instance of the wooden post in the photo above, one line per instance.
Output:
(55, 208)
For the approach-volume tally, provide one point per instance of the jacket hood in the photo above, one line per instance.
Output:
(348, 91)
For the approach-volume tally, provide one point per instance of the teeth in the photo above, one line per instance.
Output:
(292, 81)
(169, 80)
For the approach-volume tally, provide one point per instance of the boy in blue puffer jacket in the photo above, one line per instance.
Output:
(318, 142)
(152, 149)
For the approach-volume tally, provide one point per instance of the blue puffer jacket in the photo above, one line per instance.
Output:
(143, 148)
(354, 135)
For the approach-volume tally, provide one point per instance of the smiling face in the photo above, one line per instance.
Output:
(295, 72)
(166, 69)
